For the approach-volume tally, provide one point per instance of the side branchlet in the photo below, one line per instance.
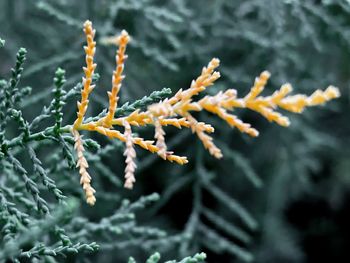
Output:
(58, 101)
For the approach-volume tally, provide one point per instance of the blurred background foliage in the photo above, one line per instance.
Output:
(281, 197)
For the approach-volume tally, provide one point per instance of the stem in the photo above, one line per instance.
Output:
(36, 136)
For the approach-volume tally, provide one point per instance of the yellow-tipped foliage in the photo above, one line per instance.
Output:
(88, 70)
(176, 111)
(117, 78)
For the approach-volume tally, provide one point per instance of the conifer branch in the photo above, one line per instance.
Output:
(176, 110)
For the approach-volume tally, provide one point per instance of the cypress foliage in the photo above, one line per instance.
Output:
(237, 209)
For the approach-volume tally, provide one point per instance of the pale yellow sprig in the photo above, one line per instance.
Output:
(85, 178)
(130, 155)
(178, 111)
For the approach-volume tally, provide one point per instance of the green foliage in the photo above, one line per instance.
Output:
(234, 209)
(35, 231)
(156, 257)
(58, 103)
